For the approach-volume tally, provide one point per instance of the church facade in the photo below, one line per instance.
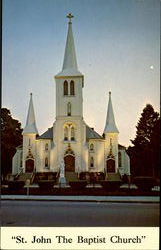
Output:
(70, 139)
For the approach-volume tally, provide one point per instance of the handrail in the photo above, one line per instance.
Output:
(21, 170)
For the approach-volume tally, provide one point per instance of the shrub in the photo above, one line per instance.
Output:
(45, 176)
(78, 185)
(100, 176)
(145, 183)
(84, 175)
(46, 184)
(111, 185)
(14, 185)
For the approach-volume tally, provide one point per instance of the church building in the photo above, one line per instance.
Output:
(70, 139)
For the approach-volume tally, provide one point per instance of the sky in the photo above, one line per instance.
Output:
(117, 47)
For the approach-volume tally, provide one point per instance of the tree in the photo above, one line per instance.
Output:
(11, 137)
(144, 154)
(155, 148)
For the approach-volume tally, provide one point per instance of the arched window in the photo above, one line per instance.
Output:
(65, 134)
(91, 147)
(72, 88)
(46, 147)
(46, 163)
(69, 107)
(65, 88)
(92, 162)
(72, 134)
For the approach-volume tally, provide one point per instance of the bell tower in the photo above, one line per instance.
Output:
(29, 140)
(111, 140)
(69, 128)
(69, 82)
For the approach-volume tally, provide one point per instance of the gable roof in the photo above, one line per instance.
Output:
(47, 134)
(91, 134)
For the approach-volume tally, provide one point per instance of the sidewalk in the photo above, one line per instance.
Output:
(126, 199)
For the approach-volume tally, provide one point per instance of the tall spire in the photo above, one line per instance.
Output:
(110, 126)
(30, 122)
(70, 61)
(70, 67)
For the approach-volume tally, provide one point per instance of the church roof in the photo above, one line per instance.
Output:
(70, 67)
(30, 127)
(110, 126)
(47, 134)
(91, 134)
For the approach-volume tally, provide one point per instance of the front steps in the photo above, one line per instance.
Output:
(71, 176)
(113, 177)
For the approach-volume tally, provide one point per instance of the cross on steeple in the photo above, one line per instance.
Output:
(70, 16)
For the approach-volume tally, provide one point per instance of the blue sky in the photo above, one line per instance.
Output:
(117, 46)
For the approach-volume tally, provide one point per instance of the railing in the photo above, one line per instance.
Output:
(18, 174)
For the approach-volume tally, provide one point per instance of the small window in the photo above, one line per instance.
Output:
(91, 147)
(72, 134)
(69, 107)
(65, 134)
(72, 88)
(65, 88)
(91, 162)
(46, 147)
(46, 163)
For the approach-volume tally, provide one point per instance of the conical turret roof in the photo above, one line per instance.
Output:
(30, 127)
(70, 67)
(110, 126)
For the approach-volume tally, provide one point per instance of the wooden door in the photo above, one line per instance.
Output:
(110, 166)
(69, 161)
(29, 166)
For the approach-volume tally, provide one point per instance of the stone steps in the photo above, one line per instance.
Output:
(71, 176)
(113, 177)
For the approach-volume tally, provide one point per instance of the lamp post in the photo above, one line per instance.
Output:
(28, 187)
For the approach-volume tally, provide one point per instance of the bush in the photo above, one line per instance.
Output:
(100, 176)
(145, 183)
(125, 179)
(78, 185)
(111, 185)
(46, 184)
(93, 177)
(45, 176)
(84, 175)
(14, 185)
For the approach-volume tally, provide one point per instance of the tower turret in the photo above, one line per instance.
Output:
(30, 127)
(29, 140)
(110, 126)
(111, 136)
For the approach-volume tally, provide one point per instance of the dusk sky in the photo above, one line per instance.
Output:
(117, 47)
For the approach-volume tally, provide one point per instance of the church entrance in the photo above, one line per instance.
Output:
(29, 166)
(110, 165)
(69, 161)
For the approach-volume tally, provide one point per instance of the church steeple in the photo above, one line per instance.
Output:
(70, 67)
(110, 126)
(70, 60)
(30, 127)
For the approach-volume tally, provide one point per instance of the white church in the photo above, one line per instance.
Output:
(70, 139)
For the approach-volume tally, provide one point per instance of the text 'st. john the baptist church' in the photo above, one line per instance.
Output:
(70, 139)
